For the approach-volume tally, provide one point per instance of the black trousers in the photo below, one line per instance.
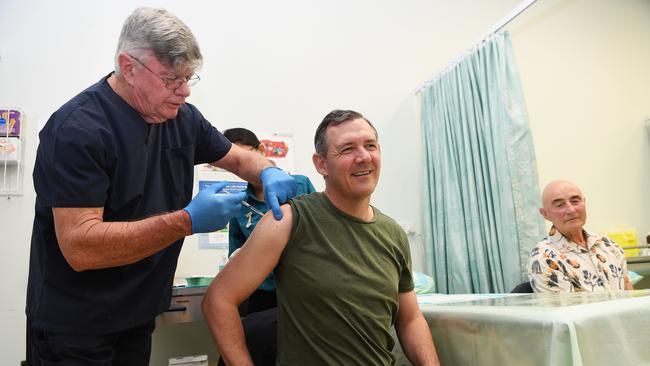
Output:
(131, 347)
(259, 300)
(261, 330)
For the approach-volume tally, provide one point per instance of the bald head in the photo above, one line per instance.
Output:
(552, 189)
(564, 206)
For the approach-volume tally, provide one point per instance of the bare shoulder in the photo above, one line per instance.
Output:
(270, 232)
(270, 224)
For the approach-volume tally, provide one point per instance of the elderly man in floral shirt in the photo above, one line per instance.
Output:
(571, 259)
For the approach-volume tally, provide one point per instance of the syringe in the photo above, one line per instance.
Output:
(250, 207)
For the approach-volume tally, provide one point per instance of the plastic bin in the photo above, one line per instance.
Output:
(625, 237)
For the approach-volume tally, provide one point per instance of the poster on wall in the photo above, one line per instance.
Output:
(277, 148)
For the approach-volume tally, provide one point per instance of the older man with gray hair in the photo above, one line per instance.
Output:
(113, 179)
(570, 259)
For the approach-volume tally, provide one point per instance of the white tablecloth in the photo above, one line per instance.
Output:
(549, 329)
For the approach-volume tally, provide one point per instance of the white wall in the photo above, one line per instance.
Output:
(584, 69)
(287, 63)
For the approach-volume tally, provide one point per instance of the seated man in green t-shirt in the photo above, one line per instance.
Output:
(342, 268)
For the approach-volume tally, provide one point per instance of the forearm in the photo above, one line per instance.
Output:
(416, 341)
(227, 330)
(246, 164)
(95, 244)
(627, 284)
(250, 171)
(243, 274)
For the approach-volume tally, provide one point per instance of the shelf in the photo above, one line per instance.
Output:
(12, 151)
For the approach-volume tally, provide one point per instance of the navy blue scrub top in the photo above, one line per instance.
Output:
(96, 151)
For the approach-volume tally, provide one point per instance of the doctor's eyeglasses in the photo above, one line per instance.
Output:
(172, 83)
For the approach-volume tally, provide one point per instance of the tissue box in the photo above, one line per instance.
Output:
(9, 149)
(201, 360)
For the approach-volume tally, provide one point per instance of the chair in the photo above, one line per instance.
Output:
(523, 288)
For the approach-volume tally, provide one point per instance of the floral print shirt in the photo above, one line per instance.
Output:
(559, 265)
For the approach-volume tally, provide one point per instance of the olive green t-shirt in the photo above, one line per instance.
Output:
(338, 281)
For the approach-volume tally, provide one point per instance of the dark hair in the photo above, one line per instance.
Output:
(242, 136)
(335, 118)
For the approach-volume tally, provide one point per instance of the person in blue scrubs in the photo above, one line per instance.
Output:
(113, 178)
(242, 225)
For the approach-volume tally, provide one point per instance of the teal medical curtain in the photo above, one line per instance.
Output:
(481, 188)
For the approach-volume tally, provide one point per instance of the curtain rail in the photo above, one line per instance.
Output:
(497, 27)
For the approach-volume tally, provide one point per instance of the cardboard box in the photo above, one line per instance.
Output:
(199, 360)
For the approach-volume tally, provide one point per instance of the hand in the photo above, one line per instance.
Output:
(279, 187)
(210, 211)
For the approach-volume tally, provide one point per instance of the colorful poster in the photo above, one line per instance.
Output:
(278, 147)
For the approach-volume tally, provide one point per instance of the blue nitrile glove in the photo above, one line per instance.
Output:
(210, 211)
(279, 187)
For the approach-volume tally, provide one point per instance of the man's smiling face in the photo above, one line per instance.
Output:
(353, 162)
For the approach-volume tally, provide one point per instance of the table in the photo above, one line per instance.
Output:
(539, 329)
(185, 306)
(640, 265)
(181, 331)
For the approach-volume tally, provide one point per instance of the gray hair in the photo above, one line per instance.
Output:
(335, 118)
(159, 31)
